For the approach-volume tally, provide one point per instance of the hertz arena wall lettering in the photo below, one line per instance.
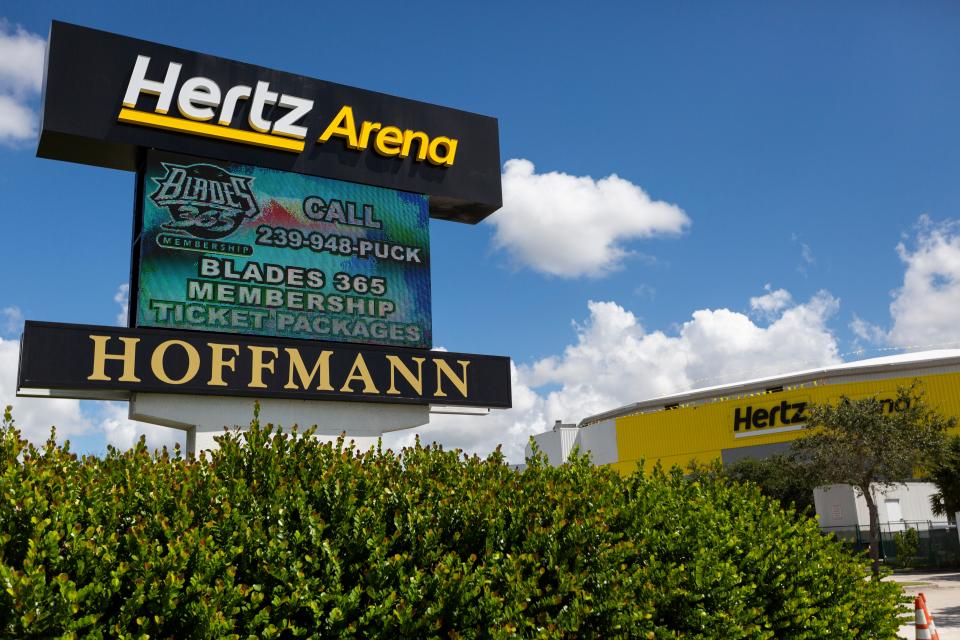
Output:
(70, 357)
(107, 97)
(241, 249)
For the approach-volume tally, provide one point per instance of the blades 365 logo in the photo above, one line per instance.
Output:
(204, 200)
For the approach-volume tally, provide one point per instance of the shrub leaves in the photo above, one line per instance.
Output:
(277, 535)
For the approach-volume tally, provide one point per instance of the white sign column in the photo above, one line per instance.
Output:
(205, 417)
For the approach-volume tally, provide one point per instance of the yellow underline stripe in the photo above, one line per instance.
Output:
(209, 130)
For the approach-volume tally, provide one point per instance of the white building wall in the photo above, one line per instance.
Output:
(550, 445)
(836, 506)
(839, 505)
(568, 439)
(600, 441)
(597, 440)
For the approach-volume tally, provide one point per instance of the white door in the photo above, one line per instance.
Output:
(894, 514)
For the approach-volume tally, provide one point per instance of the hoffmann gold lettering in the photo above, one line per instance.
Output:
(258, 365)
(263, 359)
(193, 361)
(219, 362)
(443, 369)
(100, 357)
(300, 368)
(396, 364)
(359, 371)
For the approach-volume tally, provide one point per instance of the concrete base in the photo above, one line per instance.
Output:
(204, 417)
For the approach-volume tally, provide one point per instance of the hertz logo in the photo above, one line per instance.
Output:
(205, 109)
(788, 416)
(783, 414)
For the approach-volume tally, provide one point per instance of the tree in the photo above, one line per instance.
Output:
(946, 475)
(780, 477)
(907, 543)
(869, 441)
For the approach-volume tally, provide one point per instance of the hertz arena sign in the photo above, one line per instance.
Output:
(281, 230)
(108, 98)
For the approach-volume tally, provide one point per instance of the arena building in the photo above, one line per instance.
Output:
(758, 418)
(754, 418)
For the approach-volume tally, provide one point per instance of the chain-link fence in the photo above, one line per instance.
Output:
(935, 544)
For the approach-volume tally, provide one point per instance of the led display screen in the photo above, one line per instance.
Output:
(249, 250)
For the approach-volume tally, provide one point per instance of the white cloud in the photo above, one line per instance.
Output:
(21, 59)
(616, 361)
(122, 298)
(644, 290)
(11, 320)
(21, 76)
(123, 433)
(572, 226)
(770, 303)
(926, 309)
(807, 259)
(35, 416)
(867, 331)
(18, 122)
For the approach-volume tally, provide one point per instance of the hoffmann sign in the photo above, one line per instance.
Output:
(106, 360)
(281, 230)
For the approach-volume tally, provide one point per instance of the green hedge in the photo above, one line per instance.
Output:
(279, 535)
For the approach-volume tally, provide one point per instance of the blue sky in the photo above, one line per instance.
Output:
(786, 193)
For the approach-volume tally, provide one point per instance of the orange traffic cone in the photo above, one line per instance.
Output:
(926, 629)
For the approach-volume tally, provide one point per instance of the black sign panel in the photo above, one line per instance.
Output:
(82, 357)
(108, 97)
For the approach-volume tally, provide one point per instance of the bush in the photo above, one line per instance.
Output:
(780, 477)
(278, 535)
(907, 543)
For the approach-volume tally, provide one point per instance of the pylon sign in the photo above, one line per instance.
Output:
(288, 212)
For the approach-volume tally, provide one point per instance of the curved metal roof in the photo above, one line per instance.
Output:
(902, 363)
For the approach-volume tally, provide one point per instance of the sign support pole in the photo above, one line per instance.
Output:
(205, 417)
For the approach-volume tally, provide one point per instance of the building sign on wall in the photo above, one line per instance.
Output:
(241, 249)
(81, 361)
(762, 416)
(734, 424)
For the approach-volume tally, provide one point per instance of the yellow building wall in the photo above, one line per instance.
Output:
(701, 432)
